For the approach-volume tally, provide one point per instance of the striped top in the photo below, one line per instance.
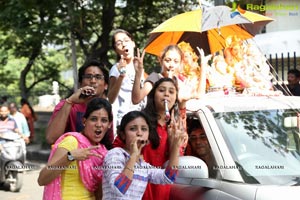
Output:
(116, 185)
(8, 125)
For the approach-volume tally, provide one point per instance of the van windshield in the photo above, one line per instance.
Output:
(264, 144)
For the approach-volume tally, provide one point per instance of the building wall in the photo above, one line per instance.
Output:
(286, 14)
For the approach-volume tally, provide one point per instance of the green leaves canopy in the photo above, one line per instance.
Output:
(39, 32)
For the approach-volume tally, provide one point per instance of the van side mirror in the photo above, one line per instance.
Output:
(189, 168)
(290, 122)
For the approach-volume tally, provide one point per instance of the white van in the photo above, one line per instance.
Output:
(255, 143)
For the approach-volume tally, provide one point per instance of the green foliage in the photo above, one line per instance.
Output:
(36, 35)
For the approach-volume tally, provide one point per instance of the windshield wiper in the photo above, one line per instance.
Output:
(247, 177)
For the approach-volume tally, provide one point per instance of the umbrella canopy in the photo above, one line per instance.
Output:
(207, 29)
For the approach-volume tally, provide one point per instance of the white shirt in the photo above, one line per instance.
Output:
(123, 103)
(21, 123)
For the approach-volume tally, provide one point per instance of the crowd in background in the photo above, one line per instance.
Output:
(18, 118)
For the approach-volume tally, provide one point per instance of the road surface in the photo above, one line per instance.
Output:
(30, 189)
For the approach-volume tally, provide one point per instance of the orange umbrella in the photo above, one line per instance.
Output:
(207, 29)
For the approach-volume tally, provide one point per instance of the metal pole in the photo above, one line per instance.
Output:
(295, 60)
(282, 67)
(74, 62)
(73, 47)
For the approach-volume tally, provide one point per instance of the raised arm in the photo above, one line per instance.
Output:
(114, 87)
(115, 81)
(203, 71)
(57, 125)
(176, 138)
(54, 167)
(138, 92)
(120, 179)
(59, 162)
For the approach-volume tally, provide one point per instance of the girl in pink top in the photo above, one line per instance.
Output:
(74, 166)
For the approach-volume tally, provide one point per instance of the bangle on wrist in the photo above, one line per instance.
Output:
(130, 169)
(69, 101)
(122, 71)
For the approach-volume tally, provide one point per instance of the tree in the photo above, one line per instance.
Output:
(31, 27)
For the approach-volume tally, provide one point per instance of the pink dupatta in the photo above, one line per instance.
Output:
(89, 170)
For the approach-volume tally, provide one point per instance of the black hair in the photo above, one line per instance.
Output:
(296, 72)
(113, 42)
(95, 63)
(128, 117)
(97, 104)
(24, 101)
(193, 124)
(151, 111)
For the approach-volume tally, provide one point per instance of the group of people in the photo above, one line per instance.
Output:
(19, 121)
(112, 137)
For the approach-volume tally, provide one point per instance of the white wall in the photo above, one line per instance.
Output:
(286, 14)
(279, 42)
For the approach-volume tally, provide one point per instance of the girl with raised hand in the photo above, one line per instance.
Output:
(74, 165)
(172, 63)
(121, 76)
(162, 98)
(126, 173)
(161, 101)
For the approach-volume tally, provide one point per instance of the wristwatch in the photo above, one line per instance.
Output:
(70, 157)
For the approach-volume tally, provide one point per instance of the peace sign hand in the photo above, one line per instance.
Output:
(176, 133)
(138, 61)
(85, 153)
(204, 59)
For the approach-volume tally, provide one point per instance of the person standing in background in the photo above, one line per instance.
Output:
(121, 76)
(30, 116)
(292, 88)
(172, 62)
(293, 81)
(3, 99)
(20, 120)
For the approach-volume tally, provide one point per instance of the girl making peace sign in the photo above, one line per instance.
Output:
(74, 166)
